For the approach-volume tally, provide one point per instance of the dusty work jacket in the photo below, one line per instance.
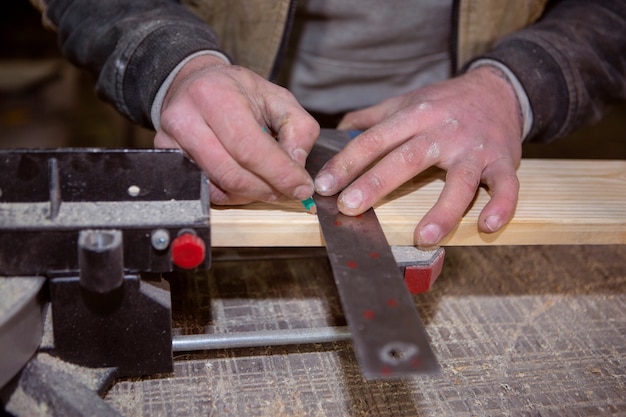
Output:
(569, 55)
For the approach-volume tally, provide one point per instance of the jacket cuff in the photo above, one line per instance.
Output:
(148, 64)
(542, 79)
(157, 103)
(520, 93)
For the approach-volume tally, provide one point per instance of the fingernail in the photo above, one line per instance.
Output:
(429, 235)
(344, 125)
(352, 198)
(324, 183)
(303, 192)
(493, 223)
(299, 155)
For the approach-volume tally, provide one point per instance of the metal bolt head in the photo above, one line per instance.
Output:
(160, 239)
(134, 191)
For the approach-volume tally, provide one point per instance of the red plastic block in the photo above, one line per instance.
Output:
(419, 278)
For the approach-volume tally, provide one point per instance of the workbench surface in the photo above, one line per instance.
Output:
(525, 330)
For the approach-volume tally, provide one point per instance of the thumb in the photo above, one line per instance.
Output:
(362, 119)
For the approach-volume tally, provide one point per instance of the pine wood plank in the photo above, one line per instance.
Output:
(560, 202)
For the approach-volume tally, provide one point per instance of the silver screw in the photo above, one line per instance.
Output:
(160, 239)
(133, 191)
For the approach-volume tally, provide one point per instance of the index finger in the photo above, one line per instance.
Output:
(360, 153)
(296, 130)
(257, 152)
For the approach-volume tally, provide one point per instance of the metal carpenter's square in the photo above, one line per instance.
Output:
(389, 338)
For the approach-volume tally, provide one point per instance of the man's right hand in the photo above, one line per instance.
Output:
(216, 112)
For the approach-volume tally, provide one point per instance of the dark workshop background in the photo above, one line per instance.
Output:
(46, 102)
(520, 331)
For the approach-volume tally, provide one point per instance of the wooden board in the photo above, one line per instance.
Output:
(560, 202)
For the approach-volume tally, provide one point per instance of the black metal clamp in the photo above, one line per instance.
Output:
(92, 222)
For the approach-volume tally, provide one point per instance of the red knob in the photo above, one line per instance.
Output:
(188, 251)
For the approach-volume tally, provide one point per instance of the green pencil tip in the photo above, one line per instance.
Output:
(309, 205)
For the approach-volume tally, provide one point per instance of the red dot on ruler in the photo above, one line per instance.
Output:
(374, 255)
(416, 363)
(386, 371)
(368, 314)
(359, 216)
(351, 264)
(337, 223)
(392, 303)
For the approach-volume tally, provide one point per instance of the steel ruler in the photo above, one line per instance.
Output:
(389, 338)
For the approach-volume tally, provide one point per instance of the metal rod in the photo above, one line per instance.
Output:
(54, 188)
(186, 343)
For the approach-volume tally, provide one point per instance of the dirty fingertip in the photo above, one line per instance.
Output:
(492, 223)
(429, 235)
(324, 183)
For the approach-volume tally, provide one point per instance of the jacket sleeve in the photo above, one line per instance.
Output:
(571, 63)
(131, 46)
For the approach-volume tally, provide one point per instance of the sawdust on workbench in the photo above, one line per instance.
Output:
(517, 330)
